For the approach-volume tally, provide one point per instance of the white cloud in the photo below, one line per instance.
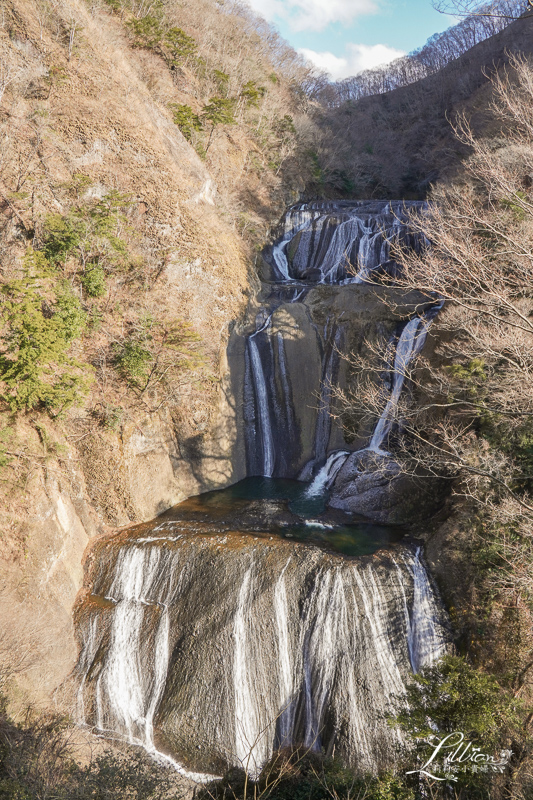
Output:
(314, 15)
(358, 58)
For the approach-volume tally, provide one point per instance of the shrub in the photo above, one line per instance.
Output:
(36, 762)
(454, 697)
(154, 356)
(299, 774)
(187, 121)
(451, 696)
(219, 111)
(147, 31)
(222, 81)
(251, 93)
(94, 282)
(63, 235)
(91, 232)
(40, 322)
(132, 360)
(181, 45)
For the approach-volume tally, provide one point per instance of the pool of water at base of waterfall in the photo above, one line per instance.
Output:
(282, 507)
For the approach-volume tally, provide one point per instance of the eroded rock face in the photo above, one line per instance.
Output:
(216, 646)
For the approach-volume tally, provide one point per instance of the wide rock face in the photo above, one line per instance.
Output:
(216, 647)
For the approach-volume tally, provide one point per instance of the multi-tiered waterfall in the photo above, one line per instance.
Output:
(210, 635)
(322, 300)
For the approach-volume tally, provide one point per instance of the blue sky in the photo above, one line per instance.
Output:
(345, 36)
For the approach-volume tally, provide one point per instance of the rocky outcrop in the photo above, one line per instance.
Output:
(376, 487)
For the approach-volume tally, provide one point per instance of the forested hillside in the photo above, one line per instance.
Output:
(393, 137)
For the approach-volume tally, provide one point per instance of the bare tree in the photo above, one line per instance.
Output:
(8, 74)
(499, 9)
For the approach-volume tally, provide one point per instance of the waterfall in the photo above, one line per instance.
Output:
(266, 446)
(295, 219)
(213, 646)
(340, 242)
(337, 243)
(270, 662)
(425, 639)
(249, 743)
(286, 684)
(409, 345)
(327, 474)
(131, 681)
(272, 435)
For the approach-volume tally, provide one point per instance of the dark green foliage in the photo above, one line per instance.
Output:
(41, 313)
(154, 354)
(342, 181)
(302, 775)
(40, 322)
(222, 81)
(114, 5)
(181, 45)
(251, 93)
(513, 438)
(316, 169)
(453, 696)
(220, 111)
(469, 377)
(94, 282)
(147, 31)
(132, 360)
(78, 184)
(90, 231)
(63, 234)
(187, 121)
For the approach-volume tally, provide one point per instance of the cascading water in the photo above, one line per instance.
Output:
(409, 344)
(340, 242)
(335, 243)
(280, 643)
(215, 641)
(327, 474)
(270, 423)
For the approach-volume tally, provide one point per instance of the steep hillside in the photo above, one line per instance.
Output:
(144, 153)
(402, 141)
